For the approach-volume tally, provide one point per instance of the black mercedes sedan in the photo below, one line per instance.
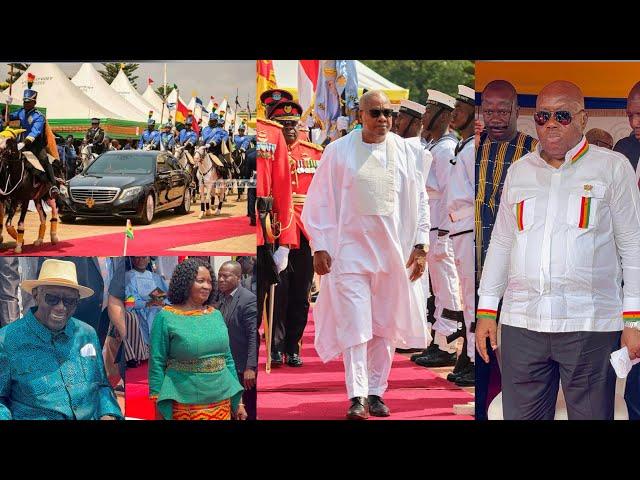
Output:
(129, 184)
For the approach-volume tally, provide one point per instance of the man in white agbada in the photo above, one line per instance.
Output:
(368, 221)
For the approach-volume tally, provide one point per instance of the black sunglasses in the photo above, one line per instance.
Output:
(563, 117)
(376, 112)
(53, 300)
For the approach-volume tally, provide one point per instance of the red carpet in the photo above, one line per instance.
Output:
(137, 394)
(155, 241)
(316, 391)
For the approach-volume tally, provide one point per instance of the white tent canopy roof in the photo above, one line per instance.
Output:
(122, 86)
(156, 101)
(95, 87)
(58, 94)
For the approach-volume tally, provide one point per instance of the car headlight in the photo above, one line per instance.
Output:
(130, 192)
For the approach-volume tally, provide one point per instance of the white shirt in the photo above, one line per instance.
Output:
(459, 191)
(367, 244)
(559, 269)
(443, 151)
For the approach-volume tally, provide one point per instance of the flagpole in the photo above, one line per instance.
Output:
(164, 94)
(126, 239)
(6, 110)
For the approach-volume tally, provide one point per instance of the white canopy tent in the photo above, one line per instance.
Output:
(123, 87)
(56, 93)
(95, 87)
(154, 99)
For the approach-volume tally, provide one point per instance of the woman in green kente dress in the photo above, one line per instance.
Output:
(191, 371)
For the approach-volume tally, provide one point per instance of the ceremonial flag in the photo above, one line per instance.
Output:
(327, 105)
(128, 234)
(182, 112)
(266, 80)
(129, 230)
(307, 83)
(30, 79)
(347, 86)
(149, 81)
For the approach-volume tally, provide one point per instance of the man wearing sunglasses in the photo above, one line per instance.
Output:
(459, 222)
(565, 259)
(500, 144)
(51, 365)
(292, 293)
(369, 232)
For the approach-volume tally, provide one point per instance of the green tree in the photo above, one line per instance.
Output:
(18, 69)
(111, 70)
(420, 75)
(160, 90)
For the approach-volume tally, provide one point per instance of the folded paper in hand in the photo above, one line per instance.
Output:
(621, 362)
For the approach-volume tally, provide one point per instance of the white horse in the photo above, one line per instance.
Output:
(86, 155)
(207, 176)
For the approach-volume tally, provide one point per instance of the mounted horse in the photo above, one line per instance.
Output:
(208, 173)
(86, 155)
(186, 161)
(21, 182)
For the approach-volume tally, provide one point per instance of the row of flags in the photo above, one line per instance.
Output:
(327, 90)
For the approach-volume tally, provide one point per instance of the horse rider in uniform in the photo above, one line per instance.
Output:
(95, 136)
(150, 136)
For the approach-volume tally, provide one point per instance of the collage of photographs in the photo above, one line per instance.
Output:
(320, 240)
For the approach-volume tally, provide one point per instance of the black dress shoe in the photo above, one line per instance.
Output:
(377, 408)
(294, 360)
(359, 409)
(408, 350)
(467, 378)
(424, 352)
(461, 365)
(437, 358)
(276, 359)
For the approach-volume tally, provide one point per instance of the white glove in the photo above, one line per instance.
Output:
(20, 146)
(208, 145)
(281, 258)
(90, 145)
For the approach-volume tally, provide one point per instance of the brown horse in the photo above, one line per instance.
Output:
(19, 184)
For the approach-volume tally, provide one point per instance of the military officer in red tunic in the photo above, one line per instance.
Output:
(292, 293)
(275, 232)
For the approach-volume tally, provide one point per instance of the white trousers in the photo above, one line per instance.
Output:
(444, 282)
(367, 367)
(465, 264)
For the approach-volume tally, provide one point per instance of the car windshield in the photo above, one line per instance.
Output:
(121, 164)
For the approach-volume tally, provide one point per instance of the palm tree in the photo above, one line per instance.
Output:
(18, 69)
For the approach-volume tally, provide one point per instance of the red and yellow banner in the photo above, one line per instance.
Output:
(265, 80)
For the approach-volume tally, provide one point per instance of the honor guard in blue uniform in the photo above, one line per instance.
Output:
(208, 135)
(167, 140)
(34, 140)
(95, 136)
(187, 135)
(241, 140)
(150, 135)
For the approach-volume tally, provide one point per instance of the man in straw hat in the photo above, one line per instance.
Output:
(51, 364)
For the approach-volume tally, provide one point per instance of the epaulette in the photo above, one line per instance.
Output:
(269, 122)
(315, 146)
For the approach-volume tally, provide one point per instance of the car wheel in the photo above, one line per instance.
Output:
(185, 207)
(148, 210)
(68, 218)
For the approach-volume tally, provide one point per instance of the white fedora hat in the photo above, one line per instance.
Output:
(58, 273)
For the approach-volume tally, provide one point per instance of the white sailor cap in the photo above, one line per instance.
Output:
(442, 99)
(412, 108)
(466, 94)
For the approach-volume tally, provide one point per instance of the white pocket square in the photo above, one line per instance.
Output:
(88, 350)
